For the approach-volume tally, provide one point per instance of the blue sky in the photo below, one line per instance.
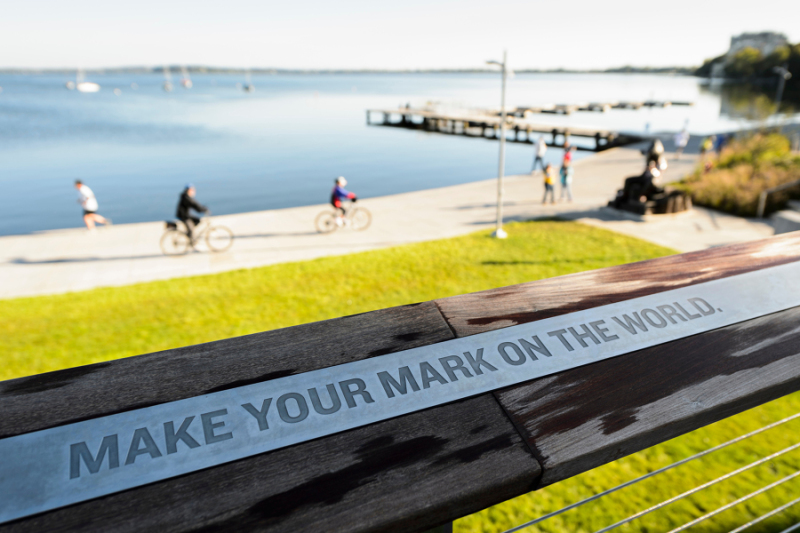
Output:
(376, 34)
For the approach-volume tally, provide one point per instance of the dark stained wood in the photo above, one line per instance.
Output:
(423, 469)
(499, 308)
(56, 398)
(588, 416)
(406, 474)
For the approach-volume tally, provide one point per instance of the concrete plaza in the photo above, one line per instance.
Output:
(72, 260)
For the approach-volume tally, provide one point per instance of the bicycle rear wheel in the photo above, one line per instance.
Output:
(175, 242)
(361, 218)
(219, 238)
(326, 222)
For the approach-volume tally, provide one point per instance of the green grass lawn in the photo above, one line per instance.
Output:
(52, 332)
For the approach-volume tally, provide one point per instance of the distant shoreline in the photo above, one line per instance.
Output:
(177, 70)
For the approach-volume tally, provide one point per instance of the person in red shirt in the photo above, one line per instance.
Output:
(567, 154)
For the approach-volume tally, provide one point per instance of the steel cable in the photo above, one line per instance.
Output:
(699, 488)
(734, 503)
(765, 516)
(791, 528)
(653, 473)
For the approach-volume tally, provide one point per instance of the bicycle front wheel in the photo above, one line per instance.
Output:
(175, 242)
(361, 218)
(219, 238)
(326, 222)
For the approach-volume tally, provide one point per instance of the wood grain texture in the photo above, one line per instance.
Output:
(588, 416)
(518, 304)
(406, 474)
(57, 398)
(423, 469)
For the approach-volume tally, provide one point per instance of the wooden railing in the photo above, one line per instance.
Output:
(424, 469)
(762, 198)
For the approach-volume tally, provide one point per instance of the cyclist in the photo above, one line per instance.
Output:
(185, 205)
(339, 194)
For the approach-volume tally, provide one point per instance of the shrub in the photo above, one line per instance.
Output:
(743, 171)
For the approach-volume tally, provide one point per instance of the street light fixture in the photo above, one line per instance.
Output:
(783, 75)
(499, 232)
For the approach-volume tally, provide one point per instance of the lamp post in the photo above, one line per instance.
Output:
(499, 232)
(783, 75)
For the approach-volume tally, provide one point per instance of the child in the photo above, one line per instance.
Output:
(549, 182)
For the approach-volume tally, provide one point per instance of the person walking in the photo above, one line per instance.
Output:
(549, 184)
(681, 140)
(567, 171)
(185, 206)
(541, 150)
(89, 204)
(568, 152)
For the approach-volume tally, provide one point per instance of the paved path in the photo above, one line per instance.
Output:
(75, 259)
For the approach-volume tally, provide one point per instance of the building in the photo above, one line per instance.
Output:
(765, 42)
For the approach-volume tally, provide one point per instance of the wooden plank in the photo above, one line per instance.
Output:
(578, 420)
(507, 306)
(591, 415)
(406, 474)
(56, 398)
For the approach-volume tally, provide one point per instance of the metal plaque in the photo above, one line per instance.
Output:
(60, 466)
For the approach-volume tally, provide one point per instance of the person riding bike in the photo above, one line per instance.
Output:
(339, 194)
(185, 205)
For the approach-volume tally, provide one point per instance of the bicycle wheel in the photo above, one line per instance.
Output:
(175, 242)
(361, 218)
(326, 222)
(219, 238)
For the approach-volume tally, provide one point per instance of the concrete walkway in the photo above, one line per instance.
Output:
(72, 260)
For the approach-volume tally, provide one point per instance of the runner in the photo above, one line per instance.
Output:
(88, 202)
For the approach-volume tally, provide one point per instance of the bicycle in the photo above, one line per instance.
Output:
(176, 241)
(355, 217)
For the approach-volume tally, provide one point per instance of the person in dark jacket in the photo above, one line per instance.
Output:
(185, 206)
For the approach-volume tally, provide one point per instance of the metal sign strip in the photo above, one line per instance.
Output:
(60, 466)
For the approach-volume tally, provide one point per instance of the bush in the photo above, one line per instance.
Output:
(743, 171)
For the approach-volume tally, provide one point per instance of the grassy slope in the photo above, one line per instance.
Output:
(47, 333)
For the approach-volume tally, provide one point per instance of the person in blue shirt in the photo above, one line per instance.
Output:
(338, 195)
(566, 180)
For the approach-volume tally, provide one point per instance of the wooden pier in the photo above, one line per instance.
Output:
(486, 124)
(602, 107)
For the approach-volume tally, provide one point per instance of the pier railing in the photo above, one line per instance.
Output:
(486, 125)
(417, 470)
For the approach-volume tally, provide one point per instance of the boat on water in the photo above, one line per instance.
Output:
(81, 85)
(87, 87)
(167, 79)
(186, 81)
(248, 86)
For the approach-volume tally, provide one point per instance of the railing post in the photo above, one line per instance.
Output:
(762, 204)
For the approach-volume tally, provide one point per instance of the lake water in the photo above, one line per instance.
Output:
(282, 145)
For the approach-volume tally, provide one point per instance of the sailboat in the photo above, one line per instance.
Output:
(248, 86)
(186, 81)
(84, 86)
(167, 79)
